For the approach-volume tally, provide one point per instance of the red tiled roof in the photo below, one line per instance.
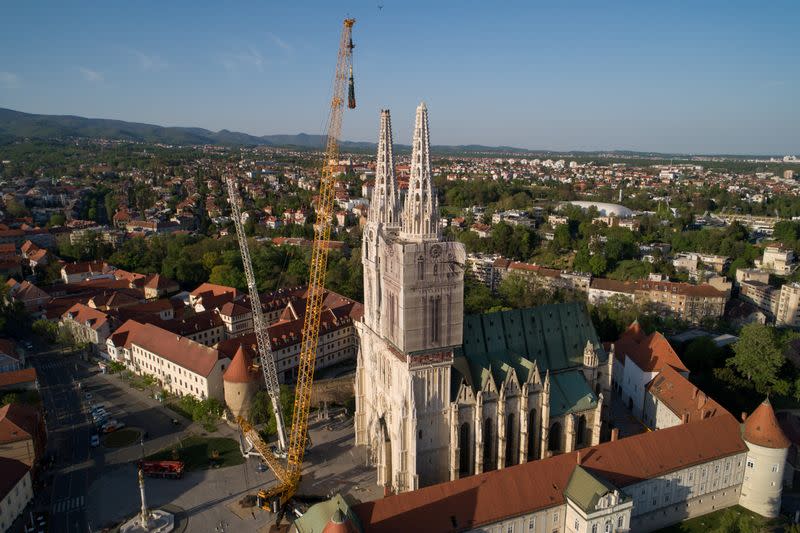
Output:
(17, 377)
(214, 289)
(687, 289)
(762, 428)
(682, 397)
(85, 315)
(651, 353)
(179, 350)
(8, 347)
(17, 422)
(475, 501)
(239, 370)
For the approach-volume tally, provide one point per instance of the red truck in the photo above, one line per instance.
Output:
(165, 469)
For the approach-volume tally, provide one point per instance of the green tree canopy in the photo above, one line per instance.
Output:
(758, 357)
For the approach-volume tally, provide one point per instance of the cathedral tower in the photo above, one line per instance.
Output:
(413, 319)
(421, 209)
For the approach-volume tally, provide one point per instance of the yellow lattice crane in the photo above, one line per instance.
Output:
(288, 475)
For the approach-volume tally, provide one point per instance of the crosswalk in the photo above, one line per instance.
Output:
(70, 504)
(48, 365)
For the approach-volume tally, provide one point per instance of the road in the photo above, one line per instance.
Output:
(68, 439)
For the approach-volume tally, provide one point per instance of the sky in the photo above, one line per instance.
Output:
(667, 76)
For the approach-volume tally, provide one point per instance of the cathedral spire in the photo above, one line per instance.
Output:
(421, 209)
(384, 207)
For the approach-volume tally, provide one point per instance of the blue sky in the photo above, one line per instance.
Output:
(664, 76)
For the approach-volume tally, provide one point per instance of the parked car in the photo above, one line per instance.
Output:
(98, 406)
(94, 441)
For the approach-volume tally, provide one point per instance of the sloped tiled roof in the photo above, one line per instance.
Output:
(681, 397)
(87, 316)
(239, 370)
(475, 501)
(762, 428)
(651, 353)
(17, 422)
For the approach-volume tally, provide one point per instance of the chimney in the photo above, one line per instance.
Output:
(614, 434)
(578, 457)
(744, 416)
(694, 393)
(701, 400)
(685, 418)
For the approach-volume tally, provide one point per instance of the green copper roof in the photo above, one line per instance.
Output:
(550, 337)
(585, 489)
(318, 515)
(569, 393)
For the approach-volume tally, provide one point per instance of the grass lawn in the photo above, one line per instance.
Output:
(121, 438)
(196, 452)
(716, 521)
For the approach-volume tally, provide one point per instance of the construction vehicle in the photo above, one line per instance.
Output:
(259, 323)
(163, 469)
(279, 497)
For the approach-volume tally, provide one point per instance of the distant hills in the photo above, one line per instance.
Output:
(16, 124)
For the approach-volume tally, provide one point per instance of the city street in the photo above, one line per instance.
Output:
(68, 442)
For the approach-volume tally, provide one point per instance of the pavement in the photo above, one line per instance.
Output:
(91, 489)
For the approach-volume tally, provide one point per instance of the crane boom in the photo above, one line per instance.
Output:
(288, 477)
(259, 323)
(319, 262)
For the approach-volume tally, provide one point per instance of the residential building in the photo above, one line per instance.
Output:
(16, 490)
(88, 325)
(692, 303)
(22, 433)
(788, 310)
(10, 360)
(603, 289)
(776, 259)
(157, 286)
(180, 365)
(77, 272)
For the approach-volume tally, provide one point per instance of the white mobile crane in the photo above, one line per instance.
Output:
(259, 323)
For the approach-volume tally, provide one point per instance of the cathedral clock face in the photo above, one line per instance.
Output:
(436, 251)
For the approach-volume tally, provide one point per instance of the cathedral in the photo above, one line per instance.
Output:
(440, 395)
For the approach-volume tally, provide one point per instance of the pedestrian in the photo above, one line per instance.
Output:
(254, 514)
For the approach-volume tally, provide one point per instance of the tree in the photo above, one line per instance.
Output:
(478, 298)
(701, 355)
(45, 329)
(758, 357)
(261, 411)
(227, 275)
(57, 219)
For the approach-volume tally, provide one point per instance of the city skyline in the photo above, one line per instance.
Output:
(670, 79)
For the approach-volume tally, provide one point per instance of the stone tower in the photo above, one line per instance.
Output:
(767, 448)
(413, 316)
(421, 210)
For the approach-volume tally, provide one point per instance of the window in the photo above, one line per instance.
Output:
(594, 528)
(774, 468)
(555, 517)
(577, 525)
(510, 528)
(750, 464)
(608, 526)
(620, 521)
(532, 523)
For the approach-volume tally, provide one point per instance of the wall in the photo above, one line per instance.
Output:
(15, 501)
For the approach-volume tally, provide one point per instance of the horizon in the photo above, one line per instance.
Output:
(682, 79)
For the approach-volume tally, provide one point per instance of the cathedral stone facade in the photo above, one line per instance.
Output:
(439, 395)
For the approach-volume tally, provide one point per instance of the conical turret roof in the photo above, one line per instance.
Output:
(762, 428)
(239, 370)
